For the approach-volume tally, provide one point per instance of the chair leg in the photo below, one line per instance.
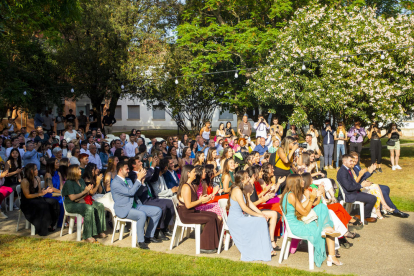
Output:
(227, 242)
(115, 223)
(134, 234)
(71, 224)
(221, 240)
(173, 235)
(197, 237)
(18, 220)
(189, 231)
(63, 225)
(79, 228)
(121, 231)
(27, 225)
(183, 229)
(362, 212)
(32, 230)
(288, 248)
(11, 201)
(311, 258)
(283, 248)
(179, 231)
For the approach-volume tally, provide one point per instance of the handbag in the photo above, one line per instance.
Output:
(390, 143)
(310, 217)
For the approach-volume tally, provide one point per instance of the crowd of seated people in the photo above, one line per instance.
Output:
(90, 174)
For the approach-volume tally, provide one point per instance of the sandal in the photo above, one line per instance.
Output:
(351, 235)
(90, 240)
(274, 253)
(337, 254)
(102, 235)
(276, 248)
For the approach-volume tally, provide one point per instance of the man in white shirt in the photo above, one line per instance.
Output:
(315, 148)
(261, 127)
(122, 137)
(15, 145)
(84, 147)
(131, 146)
(91, 141)
(94, 157)
(211, 144)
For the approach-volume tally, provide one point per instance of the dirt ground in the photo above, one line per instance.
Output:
(384, 248)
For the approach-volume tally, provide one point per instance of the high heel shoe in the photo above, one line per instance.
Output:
(387, 211)
(330, 261)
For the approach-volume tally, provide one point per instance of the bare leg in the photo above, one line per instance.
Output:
(397, 156)
(384, 204)
(330, 242)
(392, 157)
(272, 215)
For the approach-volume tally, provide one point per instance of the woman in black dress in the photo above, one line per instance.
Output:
(13, 168)
(187, 197)
(42, 212)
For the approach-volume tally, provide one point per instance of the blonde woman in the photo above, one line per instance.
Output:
(340, 136)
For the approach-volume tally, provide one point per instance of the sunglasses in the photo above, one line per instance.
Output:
(106, 146)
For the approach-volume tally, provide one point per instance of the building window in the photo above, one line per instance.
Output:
(134, 112)
(225, 115)
(158, 113)
(118, 112)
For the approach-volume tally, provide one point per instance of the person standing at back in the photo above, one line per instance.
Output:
(205, 132)
(261, 127)
(70, 118)
(108, 121)
(60, 124)
(328, 144)
(82, 121)
(93, 120)
(244, 127)
(357, 134)
(276, 129)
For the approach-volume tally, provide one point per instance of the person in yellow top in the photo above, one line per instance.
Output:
(283, 159)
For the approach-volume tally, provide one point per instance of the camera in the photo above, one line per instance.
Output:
(277, 127)
(303, 145)
(357, 136)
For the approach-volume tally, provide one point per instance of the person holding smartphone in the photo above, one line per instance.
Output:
(276, 129)
(357, 134)
(394, 135)
(261, 127)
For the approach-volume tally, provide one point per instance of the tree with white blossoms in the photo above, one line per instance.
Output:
(366, 87)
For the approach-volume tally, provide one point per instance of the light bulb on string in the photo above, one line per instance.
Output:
(176, 81)
(303, 66)
(382, 55)
(72, 90)
(236, 75)
(25, 93)
(122, 86)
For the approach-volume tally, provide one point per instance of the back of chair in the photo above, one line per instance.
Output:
(223, 205)
(342, 191)
(175, 203)
(18, 191)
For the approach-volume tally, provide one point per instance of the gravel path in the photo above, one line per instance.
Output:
(384, 248)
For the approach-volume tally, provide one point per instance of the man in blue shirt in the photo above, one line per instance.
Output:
(31, 155)
(261, 148)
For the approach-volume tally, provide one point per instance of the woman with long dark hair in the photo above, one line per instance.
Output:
(75, 191)
(194, 148)
(250, 234)
(64, 146)
(188, 200)
(40, 211)
(13, 169)
(199, 159)
(229, 132)
(186, 157)
(220, 132)
(63, 169)
(227, 177)
(104, 154)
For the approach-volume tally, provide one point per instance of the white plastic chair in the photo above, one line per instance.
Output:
(32, 228)
(11, 201)
(159, 139)
(133, 232)
(348, 205)
(179, 229)
(287, 238)
(110, 136)
(225, 229)
(79, 224)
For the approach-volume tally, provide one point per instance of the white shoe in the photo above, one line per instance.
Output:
(3, 216)
(394, 168)
(398, 167)
(15, 207)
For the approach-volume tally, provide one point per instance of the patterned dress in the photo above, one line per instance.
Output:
(209, 206)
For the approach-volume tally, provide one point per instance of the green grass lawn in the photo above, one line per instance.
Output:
(25, 255)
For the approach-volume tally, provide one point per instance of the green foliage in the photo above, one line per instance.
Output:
(364, 87)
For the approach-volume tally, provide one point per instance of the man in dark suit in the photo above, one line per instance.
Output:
(170, 176)
(147, 196)
(352, 188)
(384, 189)
(127, 206)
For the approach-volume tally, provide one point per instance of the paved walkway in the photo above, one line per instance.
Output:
(384, 248)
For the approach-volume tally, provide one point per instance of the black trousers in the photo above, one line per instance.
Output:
(369, 201)
(375, 148)
(386, 193)
(167, 208)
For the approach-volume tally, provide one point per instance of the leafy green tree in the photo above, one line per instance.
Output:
(375, 87)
